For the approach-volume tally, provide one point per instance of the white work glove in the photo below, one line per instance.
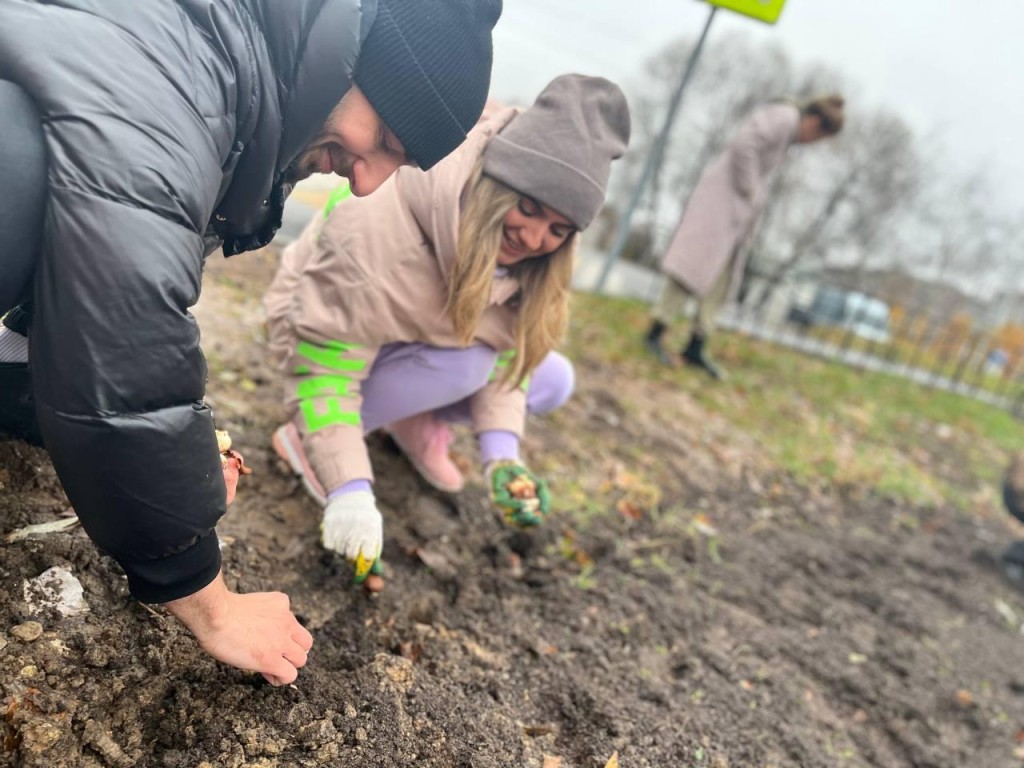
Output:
(353, 527)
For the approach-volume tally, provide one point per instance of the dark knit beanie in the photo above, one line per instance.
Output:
(425, 67)
(560, 150)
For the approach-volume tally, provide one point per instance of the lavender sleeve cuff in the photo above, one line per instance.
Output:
(351, 486)
(496, 444)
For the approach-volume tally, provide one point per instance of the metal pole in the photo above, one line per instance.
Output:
(653, 159)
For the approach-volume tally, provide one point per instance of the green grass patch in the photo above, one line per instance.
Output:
(816, 418)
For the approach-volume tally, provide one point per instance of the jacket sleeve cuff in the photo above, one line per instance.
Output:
(496, 407)
(175, 576)
(338, 455)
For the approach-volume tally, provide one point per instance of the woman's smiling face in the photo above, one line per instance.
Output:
(531, 229)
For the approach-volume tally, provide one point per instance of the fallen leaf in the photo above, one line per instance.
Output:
(485, 656)
(702, 524)
(625, 479)
(613, 761)
(1009, 615)
(583, 559)
(41, 529)
(435, 561)
(629, 510)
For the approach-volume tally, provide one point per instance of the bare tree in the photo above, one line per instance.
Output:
(733, 75)
(875, 198)
(839, 202)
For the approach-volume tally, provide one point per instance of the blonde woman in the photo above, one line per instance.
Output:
(442, 298)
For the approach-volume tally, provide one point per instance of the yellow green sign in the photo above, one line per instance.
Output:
(762, 10)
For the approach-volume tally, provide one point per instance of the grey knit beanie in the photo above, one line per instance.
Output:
(425, 67)
(560, 150)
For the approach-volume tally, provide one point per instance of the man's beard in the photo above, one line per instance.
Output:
(309, 162)
(298, 169)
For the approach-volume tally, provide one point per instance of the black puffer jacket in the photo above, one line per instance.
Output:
(167, 123)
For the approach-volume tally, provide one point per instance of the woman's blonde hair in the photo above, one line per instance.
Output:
(544, 281)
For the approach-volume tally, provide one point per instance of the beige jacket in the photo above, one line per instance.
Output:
(728, 199)
(374, 272)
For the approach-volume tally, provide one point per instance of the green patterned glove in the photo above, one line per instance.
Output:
(522, 497)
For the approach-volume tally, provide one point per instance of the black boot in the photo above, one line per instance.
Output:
(17, 408)
(693, 354)
(653, 342)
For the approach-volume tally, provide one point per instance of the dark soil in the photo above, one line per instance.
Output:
(688, 606)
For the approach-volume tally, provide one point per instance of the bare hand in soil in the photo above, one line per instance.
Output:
(232, 463)
(255, 631)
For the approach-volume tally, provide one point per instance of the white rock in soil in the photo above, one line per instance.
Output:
(29, 632)
(56, 589)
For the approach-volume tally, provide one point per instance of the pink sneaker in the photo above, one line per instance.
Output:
(288, 445)
(425, 440)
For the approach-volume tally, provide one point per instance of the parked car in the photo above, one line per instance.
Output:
(865, 316)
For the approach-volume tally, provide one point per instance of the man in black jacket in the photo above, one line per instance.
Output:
(166, 129)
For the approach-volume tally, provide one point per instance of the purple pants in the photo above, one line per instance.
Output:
(407, 379)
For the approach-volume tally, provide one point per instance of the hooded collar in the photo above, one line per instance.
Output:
(312, 47)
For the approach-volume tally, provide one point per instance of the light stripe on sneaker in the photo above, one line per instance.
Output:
(288, 445)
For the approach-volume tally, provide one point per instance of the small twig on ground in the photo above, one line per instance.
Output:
(40, 529)
(155, 612)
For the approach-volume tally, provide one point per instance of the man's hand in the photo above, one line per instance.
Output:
(255, 632)
(231, 462)
(522, 497)
(233, 465)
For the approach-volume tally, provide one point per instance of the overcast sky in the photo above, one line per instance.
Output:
(951, 68)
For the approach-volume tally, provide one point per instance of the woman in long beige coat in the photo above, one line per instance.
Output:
(705, 258)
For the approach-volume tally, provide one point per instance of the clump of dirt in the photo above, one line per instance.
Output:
(686, 605)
